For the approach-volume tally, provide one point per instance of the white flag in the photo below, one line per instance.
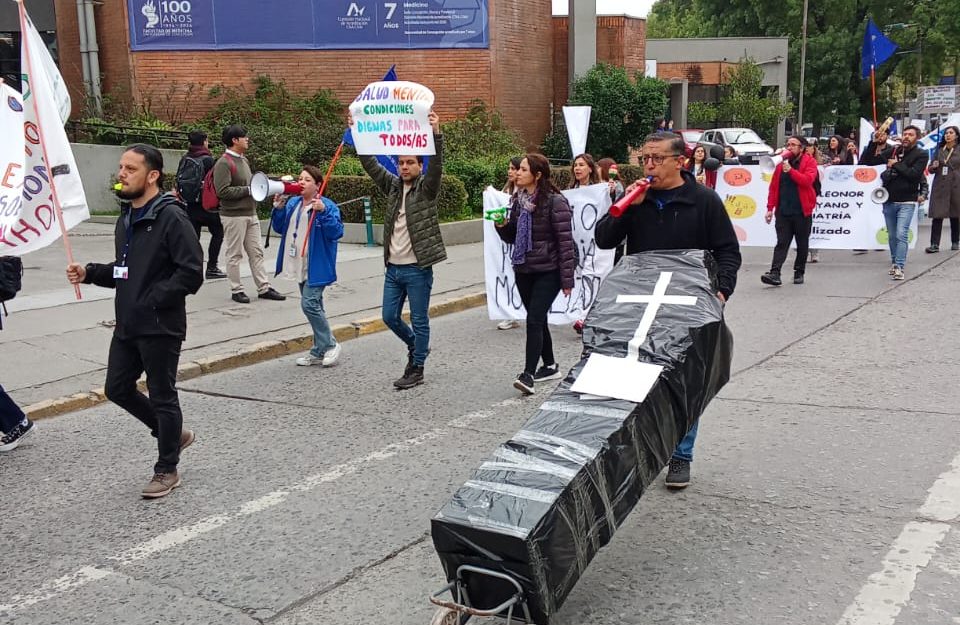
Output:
(11, 155)
(577, 119)
(45, 160)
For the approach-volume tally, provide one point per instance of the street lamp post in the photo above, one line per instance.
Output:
(803, 67)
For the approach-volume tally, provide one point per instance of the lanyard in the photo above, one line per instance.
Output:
(949, 155)
(129, 237)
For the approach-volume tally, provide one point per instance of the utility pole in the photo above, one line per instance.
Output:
(803, 66)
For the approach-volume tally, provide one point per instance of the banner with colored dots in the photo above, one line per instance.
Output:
(845, 217)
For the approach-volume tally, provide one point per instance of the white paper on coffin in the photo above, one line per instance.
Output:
(621, 378)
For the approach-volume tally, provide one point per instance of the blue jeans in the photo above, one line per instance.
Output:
(684, 450)
(311, 303)
(898, 216)
(402, 282)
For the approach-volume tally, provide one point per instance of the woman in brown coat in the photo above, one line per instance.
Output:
(945, 195)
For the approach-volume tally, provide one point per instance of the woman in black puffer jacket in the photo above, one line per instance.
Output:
(541, 231)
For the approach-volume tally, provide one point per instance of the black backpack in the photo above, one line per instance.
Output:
(190, 179)
(11, 274)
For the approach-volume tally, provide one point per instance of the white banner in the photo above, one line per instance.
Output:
(577, 121)
(589, 204)
(391, 118)
(938, 99)
(845, 217)
(37, 226)
(11, 155)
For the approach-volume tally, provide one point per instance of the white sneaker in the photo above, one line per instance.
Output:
(898, 274)
(306, 361)
(508, 324)
(893, 270)
(332, 356)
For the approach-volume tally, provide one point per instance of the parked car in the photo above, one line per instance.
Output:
(747, 144)
(691, 137)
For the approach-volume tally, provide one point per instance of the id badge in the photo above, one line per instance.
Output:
(121, 273)
(944, 171)
(292, 252)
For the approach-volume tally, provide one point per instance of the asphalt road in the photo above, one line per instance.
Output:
(826, 484)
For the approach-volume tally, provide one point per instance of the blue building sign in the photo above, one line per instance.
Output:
(307, 24)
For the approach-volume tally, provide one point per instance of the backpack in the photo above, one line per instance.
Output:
(190, 179)
(208, 195)
(11, 274)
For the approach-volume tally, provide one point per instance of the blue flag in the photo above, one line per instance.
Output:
(876, 48)
(389, 162)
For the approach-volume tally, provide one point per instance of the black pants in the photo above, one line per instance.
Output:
(200, 218)
(10, 413)
(158, 356)
(790, 228)
(936, 227)
(537, 292)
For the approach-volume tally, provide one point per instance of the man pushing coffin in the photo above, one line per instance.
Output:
(656, 351)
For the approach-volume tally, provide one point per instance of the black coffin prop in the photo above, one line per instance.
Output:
(548, 499)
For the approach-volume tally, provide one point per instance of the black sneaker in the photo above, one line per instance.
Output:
(678, 475)
(524, 383)
(933, 249)
(954, 247)
(240, 298)
(411, 377)
(214, 273)
(12, 439)
(272, 294)
(771, 278)
(797, 277)
(547, 372)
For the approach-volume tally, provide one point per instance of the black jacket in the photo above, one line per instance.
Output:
(695, 219)
(164, 264)
(552, 234)
(903, 179)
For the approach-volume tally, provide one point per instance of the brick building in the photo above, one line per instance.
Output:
(521, 73)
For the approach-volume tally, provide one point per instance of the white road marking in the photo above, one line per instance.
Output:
(888, 590)
(180, 535)
(54, 587)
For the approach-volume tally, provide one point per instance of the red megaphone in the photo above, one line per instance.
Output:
(623, 203)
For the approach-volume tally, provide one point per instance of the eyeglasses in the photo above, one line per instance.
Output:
(656, 159)
(793, 144)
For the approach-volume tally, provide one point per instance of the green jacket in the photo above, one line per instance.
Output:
(231, 179)
(423, 223)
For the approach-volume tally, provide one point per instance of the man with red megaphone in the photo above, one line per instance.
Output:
(792, 199)
(674, 212)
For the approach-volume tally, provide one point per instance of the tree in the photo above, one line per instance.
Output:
(834, 90)
(623, 111)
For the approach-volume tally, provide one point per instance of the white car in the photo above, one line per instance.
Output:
(747, 144)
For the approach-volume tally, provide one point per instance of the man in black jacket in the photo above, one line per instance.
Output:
(675, 213)
(158, 263)
(902, 179)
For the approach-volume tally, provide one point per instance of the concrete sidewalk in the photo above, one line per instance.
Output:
(54, 346)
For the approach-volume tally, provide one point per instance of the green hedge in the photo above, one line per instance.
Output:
(561, 175)
(451, 206)
(477, 174)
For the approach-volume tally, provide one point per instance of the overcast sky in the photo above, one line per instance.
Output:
(637, 8)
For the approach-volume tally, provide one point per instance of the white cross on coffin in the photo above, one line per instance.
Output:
(628, 378)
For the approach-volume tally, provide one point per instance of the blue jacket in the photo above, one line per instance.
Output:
(326, 231)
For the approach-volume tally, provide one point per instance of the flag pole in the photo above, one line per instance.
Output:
(24, 34)
(323, 187)
(873, 93)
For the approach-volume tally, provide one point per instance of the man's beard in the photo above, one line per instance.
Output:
(132, 194)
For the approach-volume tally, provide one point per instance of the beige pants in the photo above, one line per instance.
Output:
(243, 234)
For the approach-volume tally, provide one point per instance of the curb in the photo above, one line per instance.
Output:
(258, 352)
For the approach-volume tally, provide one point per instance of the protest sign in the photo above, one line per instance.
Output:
(11, 156)
(588, 204)
(391, 118)
(45, 155)
(845, 216)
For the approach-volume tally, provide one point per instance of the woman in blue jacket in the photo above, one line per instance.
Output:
(314, 268)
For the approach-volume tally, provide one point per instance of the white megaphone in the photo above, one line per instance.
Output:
(880, 195)
(262, 187)
(769, 163)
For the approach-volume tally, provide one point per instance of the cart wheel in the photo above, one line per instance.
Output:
(446, 616)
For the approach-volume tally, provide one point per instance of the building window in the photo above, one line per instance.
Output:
(10, 55)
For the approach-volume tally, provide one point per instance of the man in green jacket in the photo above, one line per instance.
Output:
(412, 245)
(238, 212)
